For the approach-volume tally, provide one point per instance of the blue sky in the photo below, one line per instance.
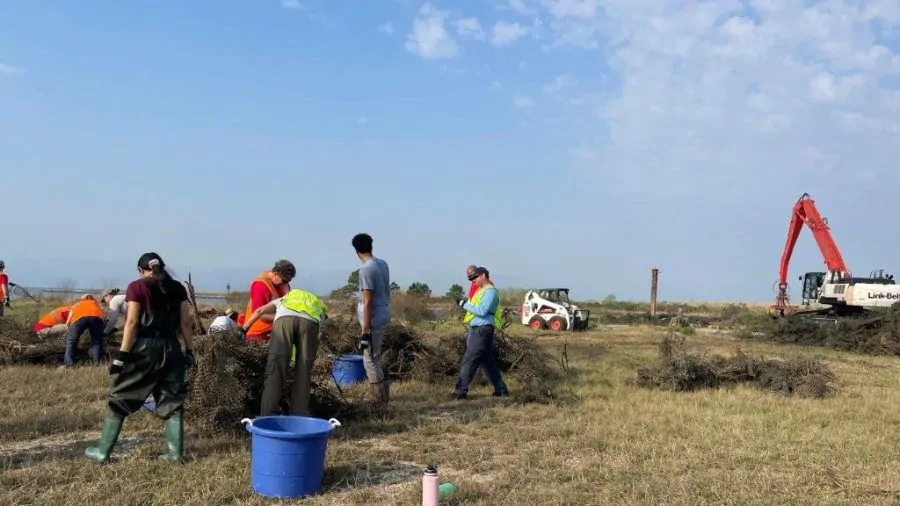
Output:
(557, 142)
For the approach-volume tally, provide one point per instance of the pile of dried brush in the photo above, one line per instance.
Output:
(679, 369)
(20, 345)
(400, 348)
(876, 333)
(227, 383)
(535, 370)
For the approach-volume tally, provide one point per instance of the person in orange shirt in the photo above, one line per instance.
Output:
(53, 323)
(269, 286)
(86, 314)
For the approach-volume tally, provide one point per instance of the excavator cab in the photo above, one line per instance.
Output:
(812, 284)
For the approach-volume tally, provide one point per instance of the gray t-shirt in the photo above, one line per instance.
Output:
(375, 275)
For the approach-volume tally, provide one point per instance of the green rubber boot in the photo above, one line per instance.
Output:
(174, 439)
(111, 428)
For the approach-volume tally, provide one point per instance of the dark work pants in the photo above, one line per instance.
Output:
(288, 331)
(157, 367)
(480, 352)
(95, 326)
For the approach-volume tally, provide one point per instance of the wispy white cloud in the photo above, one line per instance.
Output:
(559, 82)
(523, 7)
(523, 101)
(494, 86)
(292, 4)
(10, 70)
(584, 9)
(469, 28)
(386, 27)
(362, 120)
(429, 37)
(735, 94)
(505, 33)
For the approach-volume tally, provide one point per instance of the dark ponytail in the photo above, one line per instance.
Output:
(154, 263)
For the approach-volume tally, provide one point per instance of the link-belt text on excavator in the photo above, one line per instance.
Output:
(882, 295)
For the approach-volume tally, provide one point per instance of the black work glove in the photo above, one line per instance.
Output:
(122, 358)
(7, 303)
(365, 341)
(189, 359)
(461, 302)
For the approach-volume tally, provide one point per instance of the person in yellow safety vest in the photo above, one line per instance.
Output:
(298, 317)
(483, 316)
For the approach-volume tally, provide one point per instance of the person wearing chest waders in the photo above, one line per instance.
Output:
(150, 359)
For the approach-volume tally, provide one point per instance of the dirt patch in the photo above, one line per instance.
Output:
(877, 333)
(68, 446)
(679, 369)
(351, 476)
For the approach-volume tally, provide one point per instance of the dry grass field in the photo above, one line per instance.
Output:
(610, 443)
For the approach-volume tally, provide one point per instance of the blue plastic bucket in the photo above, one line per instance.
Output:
(287, 454)
(348, 370)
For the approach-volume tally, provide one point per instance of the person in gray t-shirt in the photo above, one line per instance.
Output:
(374, 312)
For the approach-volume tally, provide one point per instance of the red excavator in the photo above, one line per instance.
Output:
(835, 292)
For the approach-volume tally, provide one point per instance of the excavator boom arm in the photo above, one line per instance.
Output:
(805, 212)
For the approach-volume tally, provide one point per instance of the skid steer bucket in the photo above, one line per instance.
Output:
(581, 319)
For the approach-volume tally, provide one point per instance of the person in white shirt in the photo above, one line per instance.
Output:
(226, 322)
(117, 307)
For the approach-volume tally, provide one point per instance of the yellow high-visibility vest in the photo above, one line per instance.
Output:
(305, 302)
(476, 299)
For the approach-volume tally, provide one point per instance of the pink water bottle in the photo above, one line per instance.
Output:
(430, 486)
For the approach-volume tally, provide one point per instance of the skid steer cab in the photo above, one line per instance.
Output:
(550, 308)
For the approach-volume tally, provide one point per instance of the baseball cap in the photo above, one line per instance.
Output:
(478, 272)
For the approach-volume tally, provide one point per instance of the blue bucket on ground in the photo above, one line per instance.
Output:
(287, 454)
(348, 370)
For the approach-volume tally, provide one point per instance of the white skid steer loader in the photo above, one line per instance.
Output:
(550, 308)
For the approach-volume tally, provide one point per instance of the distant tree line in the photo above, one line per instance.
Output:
(415, 289)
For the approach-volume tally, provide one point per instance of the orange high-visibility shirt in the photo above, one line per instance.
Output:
(85, 308)
(56, 317)
(262, 329)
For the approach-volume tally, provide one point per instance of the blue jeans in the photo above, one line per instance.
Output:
(95, 326)
(480, 352)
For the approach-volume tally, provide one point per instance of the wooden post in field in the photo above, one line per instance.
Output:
(654, 285)
(192, 296)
